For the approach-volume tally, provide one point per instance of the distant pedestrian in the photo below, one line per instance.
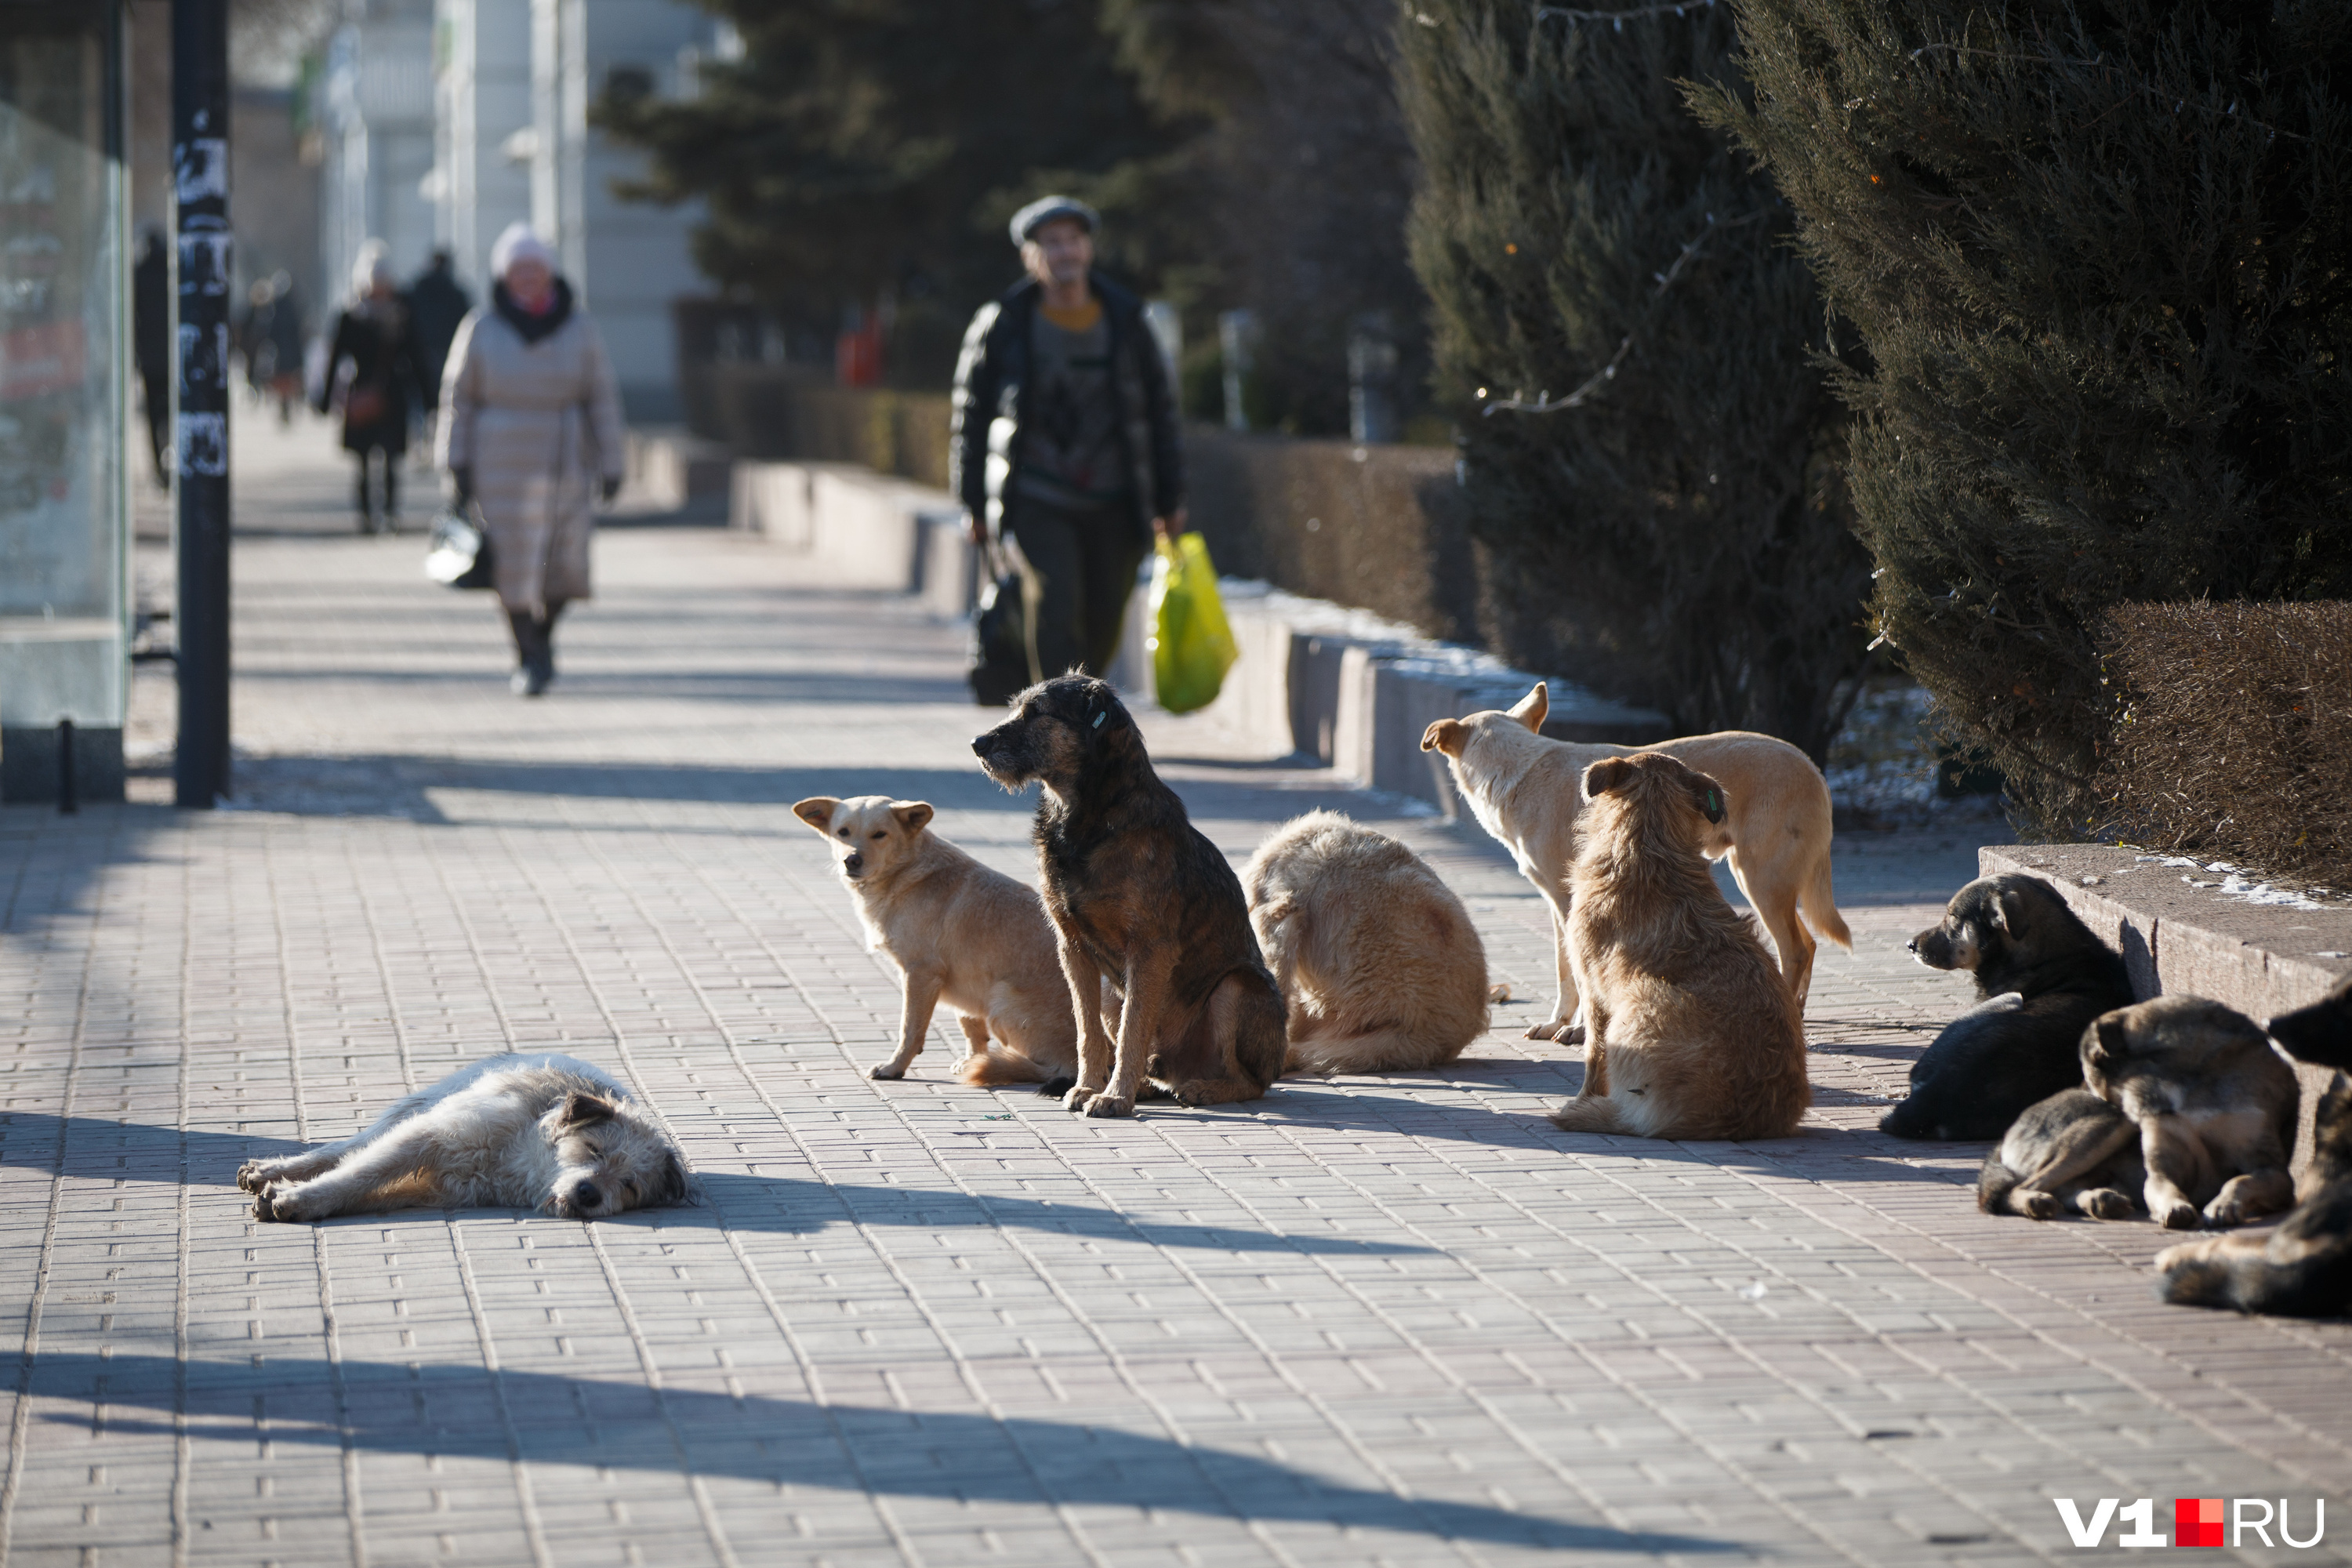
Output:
(371, 368)
(1064, 444)
(150, 343)
(271, 337)
(531, 430)
(437, 303)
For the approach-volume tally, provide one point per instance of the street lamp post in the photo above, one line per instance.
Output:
(200, 188)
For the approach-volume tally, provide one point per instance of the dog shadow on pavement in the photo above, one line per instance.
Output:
(512, 1417)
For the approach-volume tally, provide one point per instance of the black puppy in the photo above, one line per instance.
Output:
(1137, 895)
(2043, 975)
(2302, 1268)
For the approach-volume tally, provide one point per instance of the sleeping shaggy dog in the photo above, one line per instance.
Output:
(2302, 1268)
(542, 1130)
(1692, 1033)
(2043, 975)
(1378, 960)
(1137, 895)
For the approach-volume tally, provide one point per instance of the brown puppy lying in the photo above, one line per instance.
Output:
(2070, 1151)
(1775, 830)
(1691, 1032)
(1377, 958)
(1139, 896)
(2303, 1266)
(2214, 1105)
(960, 933)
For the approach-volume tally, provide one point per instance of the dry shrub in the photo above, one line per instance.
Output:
(2234, 732)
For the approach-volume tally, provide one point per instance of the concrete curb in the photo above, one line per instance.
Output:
(2181, 934)
(1345, 686)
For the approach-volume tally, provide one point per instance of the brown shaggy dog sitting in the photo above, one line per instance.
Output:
(1692, 1033)
(1378, 958)
(1138, 897)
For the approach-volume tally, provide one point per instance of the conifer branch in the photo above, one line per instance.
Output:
(1619, 19)
(1543, 403)
(2099, 63)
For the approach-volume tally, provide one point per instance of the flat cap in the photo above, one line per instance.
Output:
(1046, 209)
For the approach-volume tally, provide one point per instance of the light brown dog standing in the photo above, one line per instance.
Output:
(1525, 790)
(1690, 1032)
(1377, 958)
(960, 933)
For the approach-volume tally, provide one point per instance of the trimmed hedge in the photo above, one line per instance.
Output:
(2234, 737)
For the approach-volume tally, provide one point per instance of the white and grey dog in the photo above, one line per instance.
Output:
(540, 1130)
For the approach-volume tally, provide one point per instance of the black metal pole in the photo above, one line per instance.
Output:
(200, 184)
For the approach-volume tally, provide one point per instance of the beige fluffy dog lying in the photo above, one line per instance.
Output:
(1776, 828)
(1691, 1034)
(960, 933)
(1377, 958)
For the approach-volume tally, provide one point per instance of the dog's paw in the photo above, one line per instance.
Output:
(2108, 1204)
(2185, 1252)
(885, 1070)
(2037, 1205)
(273, 1203)
(2181, 1216)
(1560, 1033)
(254, 1176)
(1077, 1097)
(1110, 1105)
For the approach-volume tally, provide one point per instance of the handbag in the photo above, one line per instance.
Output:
(458, 555)
(1000, 644)
(365, 404)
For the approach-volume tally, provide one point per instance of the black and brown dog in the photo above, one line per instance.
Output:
(2043, 975)
(2302, 1268)
(1137, 895)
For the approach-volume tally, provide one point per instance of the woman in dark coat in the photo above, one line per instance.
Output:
(371, 368)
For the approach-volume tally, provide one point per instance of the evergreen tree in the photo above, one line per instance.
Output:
(2100, 257)
(870, 149)
(1671, 527)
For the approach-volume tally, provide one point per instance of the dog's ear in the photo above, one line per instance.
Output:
(1707, 796)
(2009, 912)
(1530, 709)
(2107, 1040)
(911, 814)
(817, 811)
(1446, 735)
(1608, 773)
(585, 1109)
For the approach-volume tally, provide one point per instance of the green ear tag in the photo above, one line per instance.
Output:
(1713, 803)
(1100, 717)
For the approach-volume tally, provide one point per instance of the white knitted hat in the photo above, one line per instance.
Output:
(519, 242)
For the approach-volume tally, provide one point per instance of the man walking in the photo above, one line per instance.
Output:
(1064, 443)
(437, 303)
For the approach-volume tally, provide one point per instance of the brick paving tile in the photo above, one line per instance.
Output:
(1395, 1320)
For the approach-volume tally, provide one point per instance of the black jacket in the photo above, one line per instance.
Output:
(991, 387)
(373, 335)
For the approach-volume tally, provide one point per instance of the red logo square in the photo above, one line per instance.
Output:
(2196, 1522)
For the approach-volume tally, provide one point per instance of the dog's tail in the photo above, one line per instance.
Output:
(1821, 906)
(1590, 1114)
(1000, 1064)
(1995, 1180)
(1391, 1049)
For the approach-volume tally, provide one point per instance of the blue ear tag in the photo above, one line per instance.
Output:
(1100, 717)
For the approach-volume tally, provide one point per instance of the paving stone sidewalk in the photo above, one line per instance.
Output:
(1374, 1321)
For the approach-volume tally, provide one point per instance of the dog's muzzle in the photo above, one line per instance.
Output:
(853, 863)
(586, 1196)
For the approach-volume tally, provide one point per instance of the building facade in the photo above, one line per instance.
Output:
(447, 120)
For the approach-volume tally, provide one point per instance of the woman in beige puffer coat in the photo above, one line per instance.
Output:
(531, 428)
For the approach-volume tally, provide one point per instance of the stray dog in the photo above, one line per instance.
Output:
(542, 1130)
(958, 932)
(1775, 830)
(2213, 1103)
(1691, 1032)
(2073, 1150)
(2044, 976)
(1139, 896)
(1377, 959)
(2302, 1268)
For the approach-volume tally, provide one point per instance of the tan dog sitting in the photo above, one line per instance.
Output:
(1524, 790)
(1378, 960)
(960, 933)
(1691, 1034)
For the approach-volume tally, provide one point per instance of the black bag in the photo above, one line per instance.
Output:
(999, 644)
(459, 555)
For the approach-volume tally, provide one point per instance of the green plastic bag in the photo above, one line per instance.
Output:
(1192, 646)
